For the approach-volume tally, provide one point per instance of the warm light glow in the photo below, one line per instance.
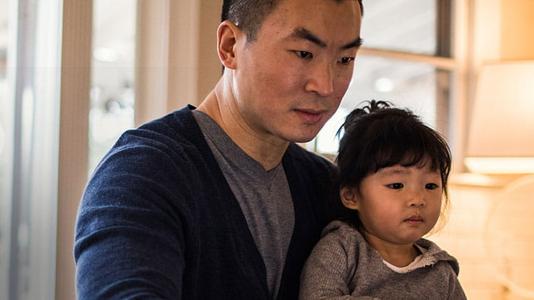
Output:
(500, 165)
(501, 132)
(481, 180)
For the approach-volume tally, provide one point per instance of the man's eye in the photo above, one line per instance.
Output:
(304, 54)
(395, 186)
(431, 186)
(346, 60)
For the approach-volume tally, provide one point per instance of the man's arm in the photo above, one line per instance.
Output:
(129, 241)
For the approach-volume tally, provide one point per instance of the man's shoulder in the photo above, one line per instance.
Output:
(178, 126)
(173, 131)
(169, 142)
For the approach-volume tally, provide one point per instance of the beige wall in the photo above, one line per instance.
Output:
(463, 235)
(490, 232)
(517, 31)
(502, 30)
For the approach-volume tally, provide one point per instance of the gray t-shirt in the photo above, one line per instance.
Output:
(264, 197)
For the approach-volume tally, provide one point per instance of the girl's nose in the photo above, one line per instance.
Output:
(417, 199)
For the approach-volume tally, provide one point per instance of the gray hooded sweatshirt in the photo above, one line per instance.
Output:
(344, 266)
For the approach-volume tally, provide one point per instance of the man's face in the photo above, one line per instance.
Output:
(290, 80)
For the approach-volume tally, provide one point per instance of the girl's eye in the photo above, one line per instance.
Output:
(304, 54)
(395, 186)
(346, 60)
(431, 186)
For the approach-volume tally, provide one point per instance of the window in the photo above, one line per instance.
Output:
(112, 96)
(4, 157)
(406, 25)
(405, 60)
(42, 63)
(29, 109)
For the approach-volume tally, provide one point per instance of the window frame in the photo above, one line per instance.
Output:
(451, 78)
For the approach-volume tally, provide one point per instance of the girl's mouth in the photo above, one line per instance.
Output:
(414, 219)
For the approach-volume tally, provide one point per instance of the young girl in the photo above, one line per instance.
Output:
(393, 174)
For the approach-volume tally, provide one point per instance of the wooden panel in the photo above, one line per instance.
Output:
(73, 149)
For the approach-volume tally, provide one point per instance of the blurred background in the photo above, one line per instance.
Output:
(74, 75)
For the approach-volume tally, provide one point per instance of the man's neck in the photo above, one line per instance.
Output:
(220, 106)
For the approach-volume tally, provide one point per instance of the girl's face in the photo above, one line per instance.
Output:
(397, 205)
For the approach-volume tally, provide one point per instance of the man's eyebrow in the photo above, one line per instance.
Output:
(354, 44)
(304, 33)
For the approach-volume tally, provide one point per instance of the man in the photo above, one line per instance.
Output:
(218, 202)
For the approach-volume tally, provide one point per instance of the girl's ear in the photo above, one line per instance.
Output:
(228, 35)
(349, 197)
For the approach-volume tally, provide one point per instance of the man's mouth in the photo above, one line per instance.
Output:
(309, 115)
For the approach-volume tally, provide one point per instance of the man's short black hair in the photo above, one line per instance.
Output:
(250, 14)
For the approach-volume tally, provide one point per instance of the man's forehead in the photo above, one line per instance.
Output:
(310, 20)
(308, 35)
(299, 13)
(300, 6)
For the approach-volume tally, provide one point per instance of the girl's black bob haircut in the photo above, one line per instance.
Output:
(378, 136)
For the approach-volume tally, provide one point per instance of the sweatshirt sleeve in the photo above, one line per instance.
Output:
(456, 291)
(129, 239)
(329, 269)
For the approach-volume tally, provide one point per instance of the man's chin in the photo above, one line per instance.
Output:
(302, 138)
(303, 135)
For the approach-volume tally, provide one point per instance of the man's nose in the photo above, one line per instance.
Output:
(321, 80)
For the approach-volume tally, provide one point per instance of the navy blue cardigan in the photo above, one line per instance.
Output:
(158, 220)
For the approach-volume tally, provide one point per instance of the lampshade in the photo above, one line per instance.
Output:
(501, 132)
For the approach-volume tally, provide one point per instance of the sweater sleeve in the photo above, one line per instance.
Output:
(129, 239)
(456, 291)
(329, 269)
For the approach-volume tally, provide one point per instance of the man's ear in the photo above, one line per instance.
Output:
(228, 35)
(349, 197)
